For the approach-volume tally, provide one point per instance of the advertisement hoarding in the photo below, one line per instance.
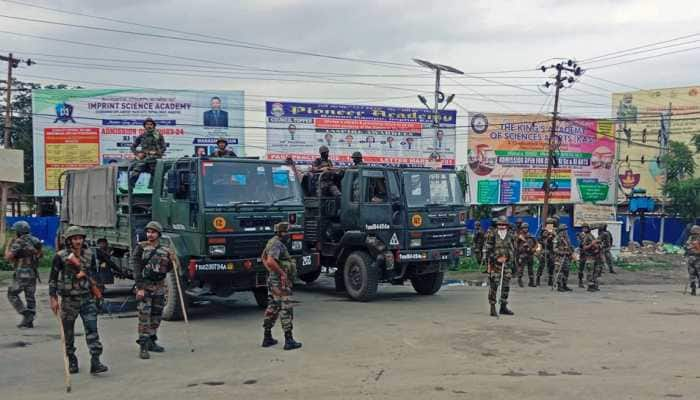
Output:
(81, 128)
(507, 158)
(384, 135)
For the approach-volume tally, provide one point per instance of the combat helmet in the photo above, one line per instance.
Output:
(524, 225)
(155, 225)
(585, 226)
(695, 230)
(550, 220)
(221, 139)
(562, 227)
(281, 227)
(74, 231)
(323, 149)
(502, 221)
(356, 155)
(21, 227)
(149, 120)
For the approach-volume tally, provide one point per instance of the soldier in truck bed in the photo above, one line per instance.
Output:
(153, 146)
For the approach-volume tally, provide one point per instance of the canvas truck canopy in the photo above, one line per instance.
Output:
(89, 197)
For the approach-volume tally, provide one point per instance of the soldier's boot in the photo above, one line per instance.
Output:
(27, 320)
(611, 270)
(692, 289)
(143, 352)
(493, 311)
(537, 282)
(154, 347)
(550, 281)
(96, 367)
(592, 288)
(580, 283)
(566, 287)
(289, 342)
(520, 281)
(73, 364)
(505, 310)
(531, 282)
(268, 340)
(561, 287)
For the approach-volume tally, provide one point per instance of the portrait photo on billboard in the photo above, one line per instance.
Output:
(215, 117)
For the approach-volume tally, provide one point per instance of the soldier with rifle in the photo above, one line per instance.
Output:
(563, 251)
(71, 278)
(591, 249)
(546, 260)
(478, 241)
(525, 245)
(499, 253)
(490, 231)
(606, 241)
(151, 144)
(24, 252)
(151, 261)
(692, 252)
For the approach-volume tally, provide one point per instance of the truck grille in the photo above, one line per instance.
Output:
(438, 239)
(258, 222)
(247, 247)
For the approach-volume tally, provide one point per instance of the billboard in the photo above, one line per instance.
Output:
(81, 128)
(653, 117)
(507, 158)
(384, 135)
(11, 166)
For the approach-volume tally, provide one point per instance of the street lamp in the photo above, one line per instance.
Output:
(439, 96)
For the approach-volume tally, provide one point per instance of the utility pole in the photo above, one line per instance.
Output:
(566, 73)
(664, 132)
(4, 186)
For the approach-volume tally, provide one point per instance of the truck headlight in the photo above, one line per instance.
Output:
(296, 245)
(415, 243)
(217, 251)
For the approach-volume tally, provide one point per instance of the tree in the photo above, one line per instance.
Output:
(678, 162)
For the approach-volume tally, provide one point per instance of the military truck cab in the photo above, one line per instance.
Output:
(388, 225)
(217, 215)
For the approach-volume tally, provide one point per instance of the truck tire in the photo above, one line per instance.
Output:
(310, 277)
(172, 311)
(361, 276)
(260, 294)
(428, 284)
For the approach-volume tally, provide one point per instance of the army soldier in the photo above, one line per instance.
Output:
(24, 251)
(547, 256)
(518, 224)
(478, 242)
(357, 158)
(322, 163)
(282, 271)
(582, 257)
(490, 231)
(563, 251)
(525, 245)
(151, 261)
(499, 253)
(70, 278)
(591, 250)
(692, 252)
(606, 241)
(153, 146)
(221, 150)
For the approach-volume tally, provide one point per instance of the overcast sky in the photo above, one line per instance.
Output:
(479, 37)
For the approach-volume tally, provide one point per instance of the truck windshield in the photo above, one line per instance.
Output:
(424, 188)
(231, 184)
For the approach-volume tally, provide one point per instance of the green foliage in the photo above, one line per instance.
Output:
(678, 162)
(684, 197)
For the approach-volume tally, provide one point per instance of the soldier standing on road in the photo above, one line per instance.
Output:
(478, 242)
(692, 252)
(563, 251)
(591, 250)
(24, 251)
(282, 271)
(606, 241)
(151, 261)
(221, 150)
(152, 144)
(499, 253)
(546, 259)
(525, 245)
(70, 278)
(490, 231)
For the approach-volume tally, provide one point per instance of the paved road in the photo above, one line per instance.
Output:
(626, 342)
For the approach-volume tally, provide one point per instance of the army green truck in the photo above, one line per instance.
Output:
(217, 215)
(388, 225)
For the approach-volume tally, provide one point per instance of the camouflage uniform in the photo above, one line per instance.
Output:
(693, 259)
(76, 298)
(151, 263)
(606, 241)
(581, 259)
(153, 145)
(279, 302)
(25, 251)
(546, 258)
(525, 245)
(479, 239)
(594, 260)
(563, 250)
(224, 153)
(495, 248)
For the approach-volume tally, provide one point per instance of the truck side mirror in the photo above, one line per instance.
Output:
(172, 181)
(178, 182)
